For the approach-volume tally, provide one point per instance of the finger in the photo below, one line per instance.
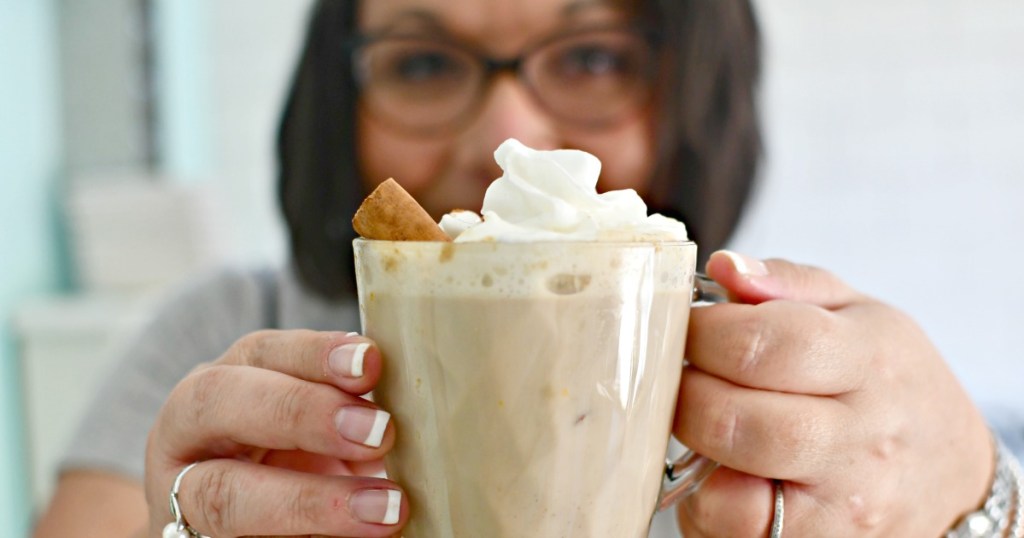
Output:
(754, 281)
(220, 410)
(348, 361)
(307, 462)
(235, 498)
(374, 468)
(778, 345)
(735, 504)
(763, 433)
(729, 503)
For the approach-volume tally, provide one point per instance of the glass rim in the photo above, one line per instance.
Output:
(547, 243)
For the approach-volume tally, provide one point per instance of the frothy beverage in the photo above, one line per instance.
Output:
(532, 385)
(532, 366)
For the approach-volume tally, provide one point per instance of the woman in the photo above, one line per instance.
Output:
(839, 397)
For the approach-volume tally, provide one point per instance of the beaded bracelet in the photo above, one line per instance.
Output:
(1017, 521)
(1002, 515)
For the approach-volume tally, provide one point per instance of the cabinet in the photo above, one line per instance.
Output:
(66, 345)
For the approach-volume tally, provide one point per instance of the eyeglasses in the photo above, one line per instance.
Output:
(590, 78)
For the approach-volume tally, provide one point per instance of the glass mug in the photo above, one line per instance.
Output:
(532, 384)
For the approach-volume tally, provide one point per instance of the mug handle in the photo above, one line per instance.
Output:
(684, 476)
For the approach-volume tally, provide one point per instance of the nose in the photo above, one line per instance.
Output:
(508, 111)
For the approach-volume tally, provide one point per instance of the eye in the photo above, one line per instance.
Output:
(414, 66)
(593, 60)
(422, 66)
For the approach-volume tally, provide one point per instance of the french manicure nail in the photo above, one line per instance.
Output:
(362, 425)
(380, 506)
(347, 360)
(745, 265)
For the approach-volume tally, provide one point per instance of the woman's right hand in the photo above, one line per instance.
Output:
(282, 435)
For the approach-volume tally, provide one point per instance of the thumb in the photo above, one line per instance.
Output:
(754, 281)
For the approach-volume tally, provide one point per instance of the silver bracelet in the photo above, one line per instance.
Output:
(1002, 515)
(1017, 522)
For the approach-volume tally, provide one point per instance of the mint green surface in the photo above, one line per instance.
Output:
(29, 265)
(184, 109)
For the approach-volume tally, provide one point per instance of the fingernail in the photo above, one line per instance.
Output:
(347, 360)
(380, 506)
(362, 425)
(745, 265)
(351, 334)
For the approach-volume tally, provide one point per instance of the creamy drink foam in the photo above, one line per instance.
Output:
(532, 366)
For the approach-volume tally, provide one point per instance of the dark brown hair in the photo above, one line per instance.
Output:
(708, 142)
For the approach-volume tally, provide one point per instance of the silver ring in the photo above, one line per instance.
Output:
(179, 528)
(780, 510)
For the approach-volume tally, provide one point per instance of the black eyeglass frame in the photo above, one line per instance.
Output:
(495, 66)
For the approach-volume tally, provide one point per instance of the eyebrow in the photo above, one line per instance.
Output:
(431, 19)
(581, 5)
(417, 15)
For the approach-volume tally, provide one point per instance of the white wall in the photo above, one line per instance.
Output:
(894, 142)
(227, 66)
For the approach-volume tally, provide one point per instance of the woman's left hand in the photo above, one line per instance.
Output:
(840, 396)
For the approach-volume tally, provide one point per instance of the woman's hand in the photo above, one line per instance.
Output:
(837, 394)
(281, 432)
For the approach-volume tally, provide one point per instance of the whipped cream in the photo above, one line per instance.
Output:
(459, 221)
(552, 196)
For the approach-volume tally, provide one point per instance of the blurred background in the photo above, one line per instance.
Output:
(136, 149)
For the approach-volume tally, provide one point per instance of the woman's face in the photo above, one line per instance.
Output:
(452, 169)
